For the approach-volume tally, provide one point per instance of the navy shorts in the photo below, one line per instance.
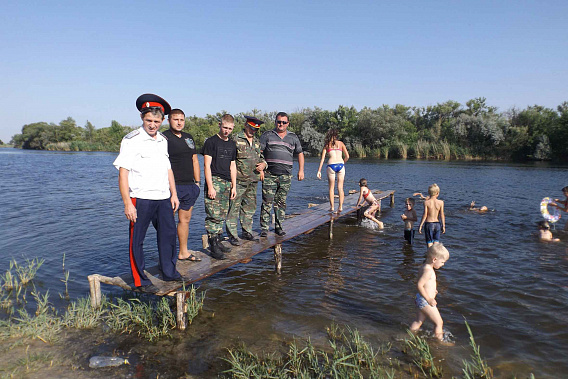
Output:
(187, 195)
(409, 235)
(432, 231)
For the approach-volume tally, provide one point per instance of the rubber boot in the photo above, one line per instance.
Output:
(214, 248)
(222, 247)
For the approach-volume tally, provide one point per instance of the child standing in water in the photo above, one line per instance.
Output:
(544, 233)
(367, 197)
(562, 204)
(335, 165)
(409, 217)
(436, 257)
(433, 213)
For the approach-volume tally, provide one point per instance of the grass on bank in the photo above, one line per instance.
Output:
(150, 319)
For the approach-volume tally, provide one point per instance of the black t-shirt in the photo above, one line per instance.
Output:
(181, 151)
(221, 153)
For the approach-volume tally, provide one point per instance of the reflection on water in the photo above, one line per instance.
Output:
(512, 289)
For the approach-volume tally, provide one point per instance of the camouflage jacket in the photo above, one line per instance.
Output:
(248, 155)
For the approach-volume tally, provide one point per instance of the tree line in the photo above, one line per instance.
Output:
(446, 130)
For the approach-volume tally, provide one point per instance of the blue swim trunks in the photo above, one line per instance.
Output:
(336, 166)
(187, 195)
(432, 231)
(420, 301)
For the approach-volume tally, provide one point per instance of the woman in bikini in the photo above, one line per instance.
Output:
(367, 197)
(336, 150)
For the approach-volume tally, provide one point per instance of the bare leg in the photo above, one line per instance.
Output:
(331, 183)
(183, 232)
(420, 317)
(369, 214)
(434, 315)
(340, 179)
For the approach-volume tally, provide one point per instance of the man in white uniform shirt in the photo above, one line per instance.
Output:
(148, 191)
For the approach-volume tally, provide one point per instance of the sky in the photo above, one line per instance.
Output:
(90, 60)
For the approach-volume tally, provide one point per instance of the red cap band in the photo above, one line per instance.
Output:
(152, 104)
(253, 124)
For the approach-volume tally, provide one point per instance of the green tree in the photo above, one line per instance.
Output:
(89, 132)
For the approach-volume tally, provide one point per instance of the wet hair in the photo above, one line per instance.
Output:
(227, 119)
(565, 189)
(544, 225)
(411, 200)
(176, 111)
(437, 250)
(433, 190)
(281, 114)
(330, 137)
(363, 182)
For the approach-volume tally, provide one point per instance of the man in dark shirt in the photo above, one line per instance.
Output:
(279, 147)
(220, 170)
(183, 158)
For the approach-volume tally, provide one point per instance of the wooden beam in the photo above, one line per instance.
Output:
(95, 287)
(278, 258)
(181, 309)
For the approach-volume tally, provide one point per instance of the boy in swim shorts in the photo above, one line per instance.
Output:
(433, 214)
(409, 217)
(436, 257)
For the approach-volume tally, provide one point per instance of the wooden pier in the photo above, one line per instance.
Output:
(296, 224)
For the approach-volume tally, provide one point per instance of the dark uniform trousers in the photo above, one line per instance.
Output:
(161, 215)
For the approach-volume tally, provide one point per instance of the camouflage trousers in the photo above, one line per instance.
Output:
(216, 209)
(274, 191)
(242, 208)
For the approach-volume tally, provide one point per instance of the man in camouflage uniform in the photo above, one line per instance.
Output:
(250, 168)
(219, 168)
(279, 147)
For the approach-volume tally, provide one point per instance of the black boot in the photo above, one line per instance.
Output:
(214, 248)
(248, 236)
(223, 248)
(234, 240)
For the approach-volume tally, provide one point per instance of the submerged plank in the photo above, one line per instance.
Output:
(295, 225)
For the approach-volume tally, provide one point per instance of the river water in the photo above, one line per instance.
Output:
(512, 289)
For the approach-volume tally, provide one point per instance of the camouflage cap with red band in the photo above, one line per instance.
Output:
(147, 101)
(253, 122)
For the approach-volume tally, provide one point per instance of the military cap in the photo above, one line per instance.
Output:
(254, 122)
(149, 100)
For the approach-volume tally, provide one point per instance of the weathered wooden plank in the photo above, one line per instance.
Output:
(300, 223)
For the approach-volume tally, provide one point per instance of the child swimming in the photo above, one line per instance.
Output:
(545, 235)
(436, 257)
(367, 197)
(477, 209)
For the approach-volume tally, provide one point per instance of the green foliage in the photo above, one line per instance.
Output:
(476, 368)
(419, 350)
(447, 130)
(348, 356)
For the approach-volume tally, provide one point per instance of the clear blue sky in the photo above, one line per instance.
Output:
(91, 59)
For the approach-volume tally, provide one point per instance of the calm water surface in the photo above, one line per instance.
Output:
(512, 289)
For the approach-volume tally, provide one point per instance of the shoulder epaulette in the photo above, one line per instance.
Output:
(132, 134)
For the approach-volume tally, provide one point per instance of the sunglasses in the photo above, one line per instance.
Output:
(281, 122)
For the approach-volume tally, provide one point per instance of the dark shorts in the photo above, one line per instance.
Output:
(432, 231)
(187, 195)
(409, 235)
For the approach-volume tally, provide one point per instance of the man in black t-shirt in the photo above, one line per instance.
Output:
(220, 170)
(183, 158)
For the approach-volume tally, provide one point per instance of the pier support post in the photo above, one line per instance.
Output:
(392, 199)
(181, 310)
(278, 258)
(205, 241)
(95, 286)
(331, 229)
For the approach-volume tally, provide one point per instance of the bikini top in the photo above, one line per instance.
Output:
(366, 194)
(333, 148)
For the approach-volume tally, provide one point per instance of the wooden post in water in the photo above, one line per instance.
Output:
(331, 229)
(278, 258)
(205, 241)
(95, 286)
(181, 309)
(392, 200)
